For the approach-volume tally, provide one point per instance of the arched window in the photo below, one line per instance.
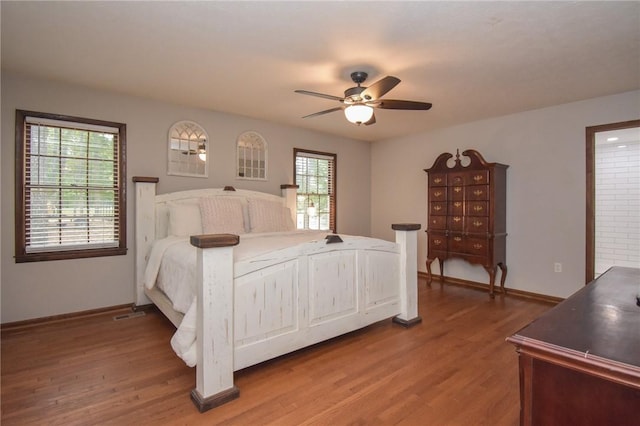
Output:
(188, 150)
(252, 156)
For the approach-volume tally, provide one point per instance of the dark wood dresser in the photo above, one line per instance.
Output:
(579, 362)
(467, 213)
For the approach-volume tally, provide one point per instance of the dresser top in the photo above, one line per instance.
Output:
(601, 321)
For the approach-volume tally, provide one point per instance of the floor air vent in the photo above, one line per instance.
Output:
(129, 315)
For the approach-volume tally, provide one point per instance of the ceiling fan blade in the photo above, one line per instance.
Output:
(326, 111)
(379, 88)
(396, 104)
(371, 121)
(320, 95)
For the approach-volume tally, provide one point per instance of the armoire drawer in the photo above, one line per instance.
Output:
(477, 208)
(456, 208)
(438, 222)
(456, 193)
(438, 193)
(455, 223)
(477, 247)
(437, 242)
(476, 192)
(438, 208)
(477, 177)
(438, 179)
(476, 224)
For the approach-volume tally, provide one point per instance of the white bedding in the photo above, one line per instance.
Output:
(171, 267)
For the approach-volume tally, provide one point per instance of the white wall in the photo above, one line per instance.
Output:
(546, 185)
(33, 290)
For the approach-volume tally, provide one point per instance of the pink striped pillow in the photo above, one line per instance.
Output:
(269, 216)
(221, 215)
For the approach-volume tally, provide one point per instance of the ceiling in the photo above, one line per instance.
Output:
(472, 60)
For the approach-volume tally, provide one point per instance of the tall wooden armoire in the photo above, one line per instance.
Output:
(467, 213)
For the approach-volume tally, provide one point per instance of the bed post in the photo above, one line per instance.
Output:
(214, 322)
(290, 193)
(406, 237)
(145, 230)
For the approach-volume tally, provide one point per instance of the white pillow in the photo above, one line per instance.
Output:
(269, 216)
(221, 215)
(184, 219)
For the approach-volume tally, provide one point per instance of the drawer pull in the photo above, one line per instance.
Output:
(437, 194)
(457, 204)
(477, 246)
(457, 219)
(478, 178)
(478, 192)
(457, 189)
(437, 180)
(477, 223)
(437, 242)
(477, 208)
(457, 239)
(437, 208)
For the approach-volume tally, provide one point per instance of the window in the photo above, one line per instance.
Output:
(188, 148)
(315, 175)
(252, 156)
(70, 187)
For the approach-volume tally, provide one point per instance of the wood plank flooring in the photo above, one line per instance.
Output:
(454, 368)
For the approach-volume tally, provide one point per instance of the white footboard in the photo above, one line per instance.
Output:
(308, 294)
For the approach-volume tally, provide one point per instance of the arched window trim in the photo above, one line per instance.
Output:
(188, 150)
(251, 161)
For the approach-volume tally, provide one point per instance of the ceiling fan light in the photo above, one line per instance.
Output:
(202, 154)
(358, 114)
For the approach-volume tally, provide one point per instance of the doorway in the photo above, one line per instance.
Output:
(613, 197)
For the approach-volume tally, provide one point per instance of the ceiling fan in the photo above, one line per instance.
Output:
(201, 152)
(359, 101)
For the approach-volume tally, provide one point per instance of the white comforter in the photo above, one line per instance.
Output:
(171, 267)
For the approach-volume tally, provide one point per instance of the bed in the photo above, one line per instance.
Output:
(242, 286)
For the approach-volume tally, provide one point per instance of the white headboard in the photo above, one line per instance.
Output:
(193, 197)
(152, 218)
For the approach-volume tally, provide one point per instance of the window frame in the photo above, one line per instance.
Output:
(21, 254)
(333, 207)
(254, 139)
(188, 132)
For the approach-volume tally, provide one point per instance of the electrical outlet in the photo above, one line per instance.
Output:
(557, 267)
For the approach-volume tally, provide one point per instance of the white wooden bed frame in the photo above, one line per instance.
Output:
(268, 306)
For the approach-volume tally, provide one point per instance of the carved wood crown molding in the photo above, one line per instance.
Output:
(476, 162)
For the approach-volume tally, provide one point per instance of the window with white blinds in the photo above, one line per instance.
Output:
(70, 181)
(315, 175)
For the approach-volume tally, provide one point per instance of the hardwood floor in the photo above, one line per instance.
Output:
(454, 368)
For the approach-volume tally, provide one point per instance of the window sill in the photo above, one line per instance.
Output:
(69, 254)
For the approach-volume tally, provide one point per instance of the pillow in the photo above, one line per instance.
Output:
(221, 215)
(269, 216)
(184, 219)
